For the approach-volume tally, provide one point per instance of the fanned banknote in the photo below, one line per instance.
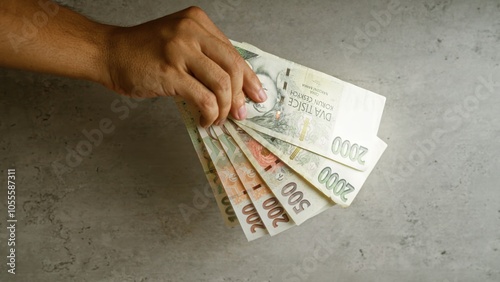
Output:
(311, 145)
(333, 179)
(221, 198)
(272, 213)
(233, 190)
(301, 200)
(313, 110)
(247, 214)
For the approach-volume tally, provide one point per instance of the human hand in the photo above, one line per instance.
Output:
(183, 54)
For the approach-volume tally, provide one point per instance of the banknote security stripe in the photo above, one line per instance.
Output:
(295, 153)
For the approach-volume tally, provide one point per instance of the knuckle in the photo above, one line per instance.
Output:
(223, 83)
(186, 24)
(239, 97)
(236, 65)
(173, 46)
(208, 103)
(238, 100)
(195, 12)
(211, 116)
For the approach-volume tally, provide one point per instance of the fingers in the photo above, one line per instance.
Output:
(199, 15)
(213, 77)
(224, 54)
(243, 79)
(192, 90)
(238, 107)
(252, 86)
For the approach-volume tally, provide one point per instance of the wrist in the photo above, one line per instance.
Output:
(99, 40)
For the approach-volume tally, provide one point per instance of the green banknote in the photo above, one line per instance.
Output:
(314, 111)
(338, 182)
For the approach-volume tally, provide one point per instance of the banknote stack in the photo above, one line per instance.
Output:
(309, 147)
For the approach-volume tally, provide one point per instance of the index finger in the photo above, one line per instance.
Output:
(250, 84)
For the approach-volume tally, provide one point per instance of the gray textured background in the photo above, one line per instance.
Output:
(423, 215)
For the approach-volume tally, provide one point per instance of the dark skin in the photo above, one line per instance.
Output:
(183, 54)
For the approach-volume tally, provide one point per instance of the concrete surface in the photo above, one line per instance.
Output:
(430, 211)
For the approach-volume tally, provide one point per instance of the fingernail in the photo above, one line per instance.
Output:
(262, 95)
(242, 112)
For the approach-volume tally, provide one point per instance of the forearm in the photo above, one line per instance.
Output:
(39, 35)
(182, 54)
